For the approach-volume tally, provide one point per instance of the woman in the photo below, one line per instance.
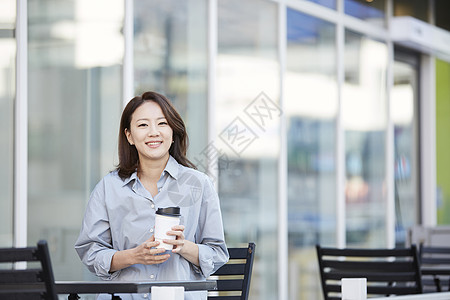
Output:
(116, 241)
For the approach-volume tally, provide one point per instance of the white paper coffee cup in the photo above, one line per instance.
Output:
(354, 288)
(165, 219)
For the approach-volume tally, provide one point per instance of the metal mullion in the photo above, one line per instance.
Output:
(212, 65)
(390, 150)
(128, 57)
(21, 129)
(340, 134)
(282, 164)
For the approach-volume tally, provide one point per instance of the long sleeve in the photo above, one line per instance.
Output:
(94, 244)
(213, 252)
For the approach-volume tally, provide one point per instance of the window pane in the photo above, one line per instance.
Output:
(74, 110)
(418, 9)
(310, 107)
(372, 11)
(364, 119)
(7, 95)
(404, 98)
(247, 123)
(327, 3)
(171, 57)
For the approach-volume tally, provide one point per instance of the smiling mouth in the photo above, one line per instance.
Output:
(154, 144)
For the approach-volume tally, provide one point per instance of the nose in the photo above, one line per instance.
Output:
(153, 130)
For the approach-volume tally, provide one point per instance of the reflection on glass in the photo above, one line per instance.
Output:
(364, 120)
(74, 110)
(170, 53)
(247, 123)
(327, 3)
(418, 9)
(373, 11)
(402, 108)
(310, 108)
(7, 95)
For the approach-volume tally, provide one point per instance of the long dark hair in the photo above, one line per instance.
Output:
(128, 155)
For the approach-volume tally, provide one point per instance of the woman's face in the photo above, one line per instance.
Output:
(150, 133)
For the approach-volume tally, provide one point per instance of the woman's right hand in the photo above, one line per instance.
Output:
(147, 254)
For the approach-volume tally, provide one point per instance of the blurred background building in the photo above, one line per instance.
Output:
(321, 121)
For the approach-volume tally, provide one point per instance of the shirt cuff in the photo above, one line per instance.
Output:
(205, 258)
(103, 265)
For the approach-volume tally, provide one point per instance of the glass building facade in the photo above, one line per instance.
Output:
(312, 120)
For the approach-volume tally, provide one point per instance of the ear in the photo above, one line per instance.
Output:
(129, 137)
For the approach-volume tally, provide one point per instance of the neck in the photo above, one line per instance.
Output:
(151, 170)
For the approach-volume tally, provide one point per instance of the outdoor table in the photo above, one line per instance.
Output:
(73, 288)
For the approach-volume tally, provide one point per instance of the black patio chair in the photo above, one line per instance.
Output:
(435, 268)
(233, 278)
(388, 271)
(33, 279)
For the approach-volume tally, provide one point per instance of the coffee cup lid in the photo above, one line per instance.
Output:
(169, 211)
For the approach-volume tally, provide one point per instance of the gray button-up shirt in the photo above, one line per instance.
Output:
(121, 215)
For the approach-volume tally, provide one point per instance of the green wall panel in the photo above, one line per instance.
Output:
(443, 140)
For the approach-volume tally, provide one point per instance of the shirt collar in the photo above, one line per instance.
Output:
(171, 168)
(129, 179)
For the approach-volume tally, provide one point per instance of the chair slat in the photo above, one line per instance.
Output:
(393, 266)
(386, 277)
(18, 276)
(392, 290)
(238, 253)
(227, 297)
(20, 296)
(353, 252)
(18, 254)
(231, 269)
(229, 284)
(435, 261)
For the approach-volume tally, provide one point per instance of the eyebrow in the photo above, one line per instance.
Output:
(146, 119)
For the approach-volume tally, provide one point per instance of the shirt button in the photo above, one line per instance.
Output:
(152, 276)
(151, 230)
(153, 205)
(145, 295)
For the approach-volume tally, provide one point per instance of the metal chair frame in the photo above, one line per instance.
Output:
(27, 283)
(234, 277)
(388, 271)
(435, 268)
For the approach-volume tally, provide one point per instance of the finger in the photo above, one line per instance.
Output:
(156, 251)
(151, 244)
(151, 239)
(178, 228)
(177, 246)
(175, 233)
(157, 259)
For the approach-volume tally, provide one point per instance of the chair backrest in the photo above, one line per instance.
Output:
(435, 268)
(36, 281)
(388, 271)
(233, 278)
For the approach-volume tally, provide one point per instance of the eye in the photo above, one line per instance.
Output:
(142, 125)
(162, 123)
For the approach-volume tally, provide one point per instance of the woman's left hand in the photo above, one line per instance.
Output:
(178, 243)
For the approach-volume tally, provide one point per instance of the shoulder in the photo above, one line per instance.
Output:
(112, 179)
(199, 175)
